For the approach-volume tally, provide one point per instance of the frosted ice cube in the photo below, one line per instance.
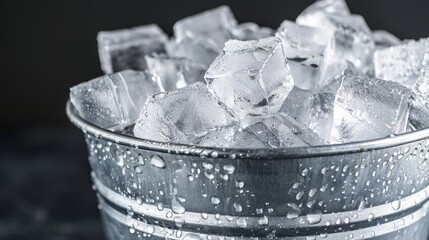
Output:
(367, 108)
(113, 101)
(260, 132)
(303, 47)
(181, 115)
(314, 15)
(251, 77)
(251, 31)
(384, 39)
(125, 49)
(173, 73)
(401, 63)
(419, 101)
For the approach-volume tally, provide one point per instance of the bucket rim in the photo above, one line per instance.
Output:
(244, 153)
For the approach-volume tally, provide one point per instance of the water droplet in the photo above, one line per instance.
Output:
(140, 159)
(312, 192)
(371, 217)
(177, 207)
(346, 220)
(237, 207)
(215, 200)
(362, 205)
(304, 172)
(214, 154)
(263, 221)
(241, 222)
(150, 229)
(396, 205)
(157, 161)
(209, 176)
(293, 214)
(190, 178)
(229, 169)
(207, 165)
(299, 195)
(259, 210)
(139, 200)
(119, 158)
(239, 184)
(314, 217)
(130, 211)
(132, 230)
(179, 221)
(204, 215)
(160, 206)
(138, 169)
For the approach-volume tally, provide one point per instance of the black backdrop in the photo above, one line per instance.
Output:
(47, 46)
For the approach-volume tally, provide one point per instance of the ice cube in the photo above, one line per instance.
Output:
(419, 101)
(321, 114)
(201, 37)
(275, 131)
(367, 108)
(212, 27)
(125, 49)
(192, 49)
(297, 105)
(314, 15)
(251, 77)
(173, 73)
(384, 39)
(113, 101)
(402, 63)
(352, 42)
(251, 31)
(181, 115)
(303, 47)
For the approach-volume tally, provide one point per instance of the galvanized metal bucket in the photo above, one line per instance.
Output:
(367, 190)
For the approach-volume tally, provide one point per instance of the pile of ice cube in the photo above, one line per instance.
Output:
(324, 79)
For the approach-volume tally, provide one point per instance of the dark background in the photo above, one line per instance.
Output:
(47, 46)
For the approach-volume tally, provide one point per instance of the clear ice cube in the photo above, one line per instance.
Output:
(304, 49)
(402, 63)
(368, 108)
(201, 37)
(314, 15)
(352, 41)
(113, 101)
(173, 73)
(384, 39)
(192, 49)
(251, 31)
(251, 77)
(297, 105)
(213, 27)
(125, 49)
(419, 101)
(181, 115)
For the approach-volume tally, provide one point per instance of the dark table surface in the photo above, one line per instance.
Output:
(45, 186)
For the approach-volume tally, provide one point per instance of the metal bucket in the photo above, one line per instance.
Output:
(367, 190)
